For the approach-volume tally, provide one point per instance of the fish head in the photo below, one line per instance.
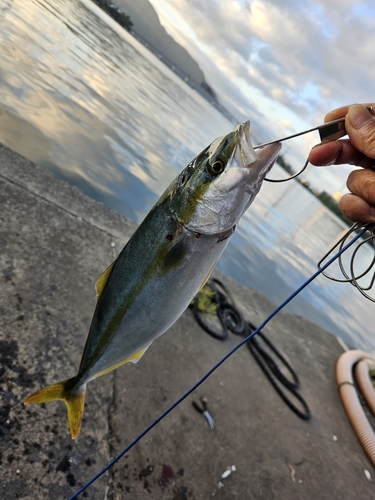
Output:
(217, 187)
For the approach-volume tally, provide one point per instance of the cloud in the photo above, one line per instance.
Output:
(287, 59)
(283, 44)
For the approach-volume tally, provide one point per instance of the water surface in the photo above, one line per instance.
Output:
(83, 98)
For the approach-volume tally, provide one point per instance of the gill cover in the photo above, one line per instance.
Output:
(218, 186)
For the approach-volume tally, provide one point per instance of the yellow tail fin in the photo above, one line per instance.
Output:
(74, 400)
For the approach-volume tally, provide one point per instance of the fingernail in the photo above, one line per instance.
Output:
(359, 116)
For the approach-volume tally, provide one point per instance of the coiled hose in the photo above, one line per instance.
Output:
(362, 363)
(215, 297)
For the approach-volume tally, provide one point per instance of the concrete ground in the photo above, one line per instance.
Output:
(54, 243)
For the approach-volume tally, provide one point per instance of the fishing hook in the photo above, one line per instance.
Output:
(331, 131)
(328, 132)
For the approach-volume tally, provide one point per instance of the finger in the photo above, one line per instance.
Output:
(362, 183)
(360, 126)
(342, 111)
(356, 209)
(336, 113)
(338, 153)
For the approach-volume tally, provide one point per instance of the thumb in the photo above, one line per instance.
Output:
(360, 126)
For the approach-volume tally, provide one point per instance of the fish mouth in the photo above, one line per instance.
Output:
(262, 157)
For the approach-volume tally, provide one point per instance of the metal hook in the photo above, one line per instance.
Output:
(292, 176)
(331, 131)
(328, 132)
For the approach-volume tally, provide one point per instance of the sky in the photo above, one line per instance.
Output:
(283, 64)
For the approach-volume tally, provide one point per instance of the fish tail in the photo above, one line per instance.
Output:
(73, 397)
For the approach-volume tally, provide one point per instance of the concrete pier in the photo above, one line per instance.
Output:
(54, 243)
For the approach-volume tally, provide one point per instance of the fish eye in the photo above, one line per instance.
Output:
(216, 167)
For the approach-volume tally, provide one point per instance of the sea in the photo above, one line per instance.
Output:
(81, 97)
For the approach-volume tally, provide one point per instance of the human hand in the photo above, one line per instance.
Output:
(358, 150)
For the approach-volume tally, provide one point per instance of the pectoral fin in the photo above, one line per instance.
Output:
(176, 256)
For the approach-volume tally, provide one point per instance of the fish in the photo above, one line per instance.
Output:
(166, 261)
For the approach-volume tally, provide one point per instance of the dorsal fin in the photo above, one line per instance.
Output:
(100, 284)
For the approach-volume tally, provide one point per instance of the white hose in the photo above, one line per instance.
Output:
(348, 393)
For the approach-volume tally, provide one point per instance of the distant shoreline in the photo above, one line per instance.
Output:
(325, 198)
(125, 22)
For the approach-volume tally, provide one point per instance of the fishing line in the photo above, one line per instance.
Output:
(219, 363)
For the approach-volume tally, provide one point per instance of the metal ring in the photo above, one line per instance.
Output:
(349, 275)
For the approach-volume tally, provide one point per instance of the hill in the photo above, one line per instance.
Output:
(146, 22)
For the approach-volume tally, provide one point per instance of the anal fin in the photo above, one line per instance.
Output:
(207, 277)
(134, 358)
(137, 356)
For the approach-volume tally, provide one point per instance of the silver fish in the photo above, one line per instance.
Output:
(167, 260)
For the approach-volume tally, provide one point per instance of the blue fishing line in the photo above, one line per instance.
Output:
(184, 396)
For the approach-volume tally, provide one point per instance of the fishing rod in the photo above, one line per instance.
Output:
(217, 365)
